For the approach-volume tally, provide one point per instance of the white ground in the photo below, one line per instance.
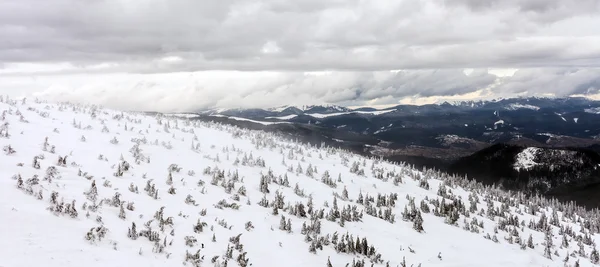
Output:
(376, 112)
(515, 106)
(288, 117)
(244, 119)
(34, 236)
(592, 110)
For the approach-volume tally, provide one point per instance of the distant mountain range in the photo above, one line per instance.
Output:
(434, 134)
(481, 139)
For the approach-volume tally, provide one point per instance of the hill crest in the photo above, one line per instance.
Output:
(107, 188)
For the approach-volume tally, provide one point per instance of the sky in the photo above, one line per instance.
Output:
(186, 55)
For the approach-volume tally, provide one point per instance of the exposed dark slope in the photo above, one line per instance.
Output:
(489, 165)
(566, 173)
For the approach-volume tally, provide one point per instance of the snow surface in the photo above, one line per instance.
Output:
(184, 115)
(592, 110)
(244, 119)
(526, 158)
(375, 112)
(561, 116)
(279, 109)
(288, 117)
(516, 106)
(307, 107)
(98, 142)
(384, 128)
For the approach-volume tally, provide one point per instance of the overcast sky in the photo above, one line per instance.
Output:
(180, 55)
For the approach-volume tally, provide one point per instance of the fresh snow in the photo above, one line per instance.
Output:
(307, 107)
(279, 109)
(516, 106)
(551, 136)
(561, 116)
(288, 117)
(548, 134)
(376, 112)
(117, 169)
(184, 115)
(526, 158)
(499, 122)
(593, 110)
(244, 119)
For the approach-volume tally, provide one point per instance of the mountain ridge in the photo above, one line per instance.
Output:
(559, 172)
(409, 131)
(88, 185)
(332, 108)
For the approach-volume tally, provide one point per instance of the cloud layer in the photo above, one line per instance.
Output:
(309, 35)
(189, 91)
(188, 54)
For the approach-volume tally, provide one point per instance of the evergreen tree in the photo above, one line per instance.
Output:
(122, 212)
(594, 256)
(530, 242)
(289, 226)
(133, 232)
(170, 179)
(565, 242)
(282, 224)
(418, 222)
(547, 252)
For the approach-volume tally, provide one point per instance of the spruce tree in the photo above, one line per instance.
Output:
(122, 212)
(530, 242)
(133, 232)
(547, 252)
(565, 242)
(594, 256)
(418, 222)
(282, 224)
(289, 226)
(170, 179)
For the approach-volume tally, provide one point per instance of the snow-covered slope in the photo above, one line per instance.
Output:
(308, 108)
(376, 112)
(75, 180)
(255, 121)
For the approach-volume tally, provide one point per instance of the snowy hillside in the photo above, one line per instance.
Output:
(86, 186)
